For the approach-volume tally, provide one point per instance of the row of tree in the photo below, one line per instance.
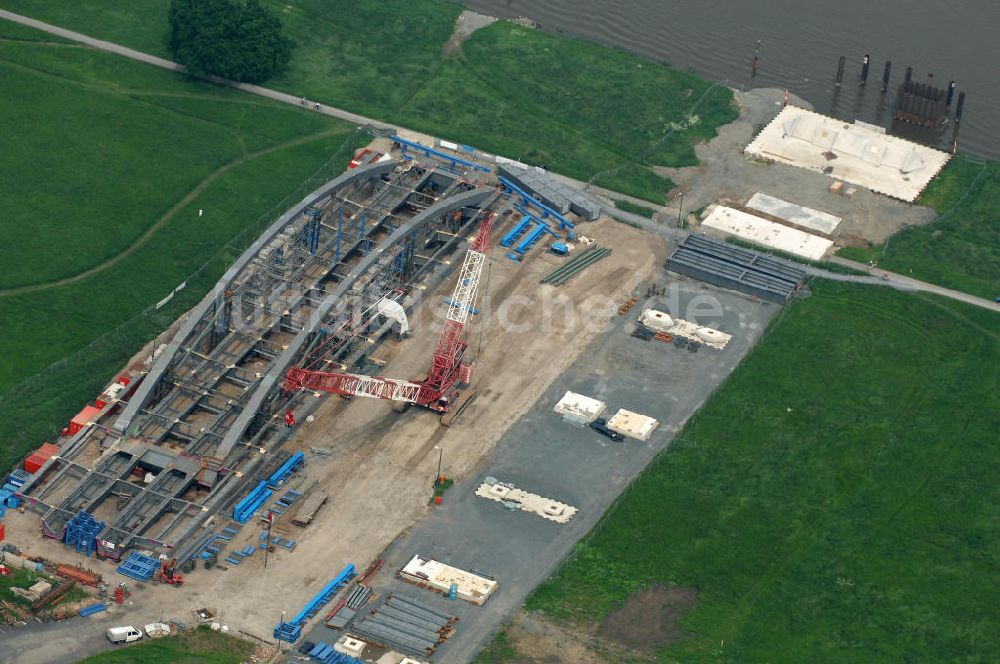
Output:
(236, 39)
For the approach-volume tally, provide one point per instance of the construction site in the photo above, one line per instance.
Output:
(397, 411)
(238, 441)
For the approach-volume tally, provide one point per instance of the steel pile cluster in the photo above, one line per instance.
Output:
(407, 626)
(343, 614)
(575, 265)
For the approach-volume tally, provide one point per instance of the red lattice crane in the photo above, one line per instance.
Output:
(449, 354)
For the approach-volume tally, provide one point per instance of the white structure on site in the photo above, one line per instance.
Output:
(579, 409)
(850, 152)
(394, 311)
(659, 321)
(426, 572)
(514, 498)
(633, 425)
(800, 215)
(767, 233)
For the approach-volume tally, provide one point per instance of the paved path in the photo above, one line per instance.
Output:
(894, 280)
(117, 49)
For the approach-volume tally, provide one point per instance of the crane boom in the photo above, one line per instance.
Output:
(355, 385)
(449, 353)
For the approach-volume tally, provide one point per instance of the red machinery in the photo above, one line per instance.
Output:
(168, 573)
(433, 391)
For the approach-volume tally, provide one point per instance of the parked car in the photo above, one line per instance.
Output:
(600, 425)
(126, 634)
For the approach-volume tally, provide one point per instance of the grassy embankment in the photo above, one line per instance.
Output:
(201, 646)
(641, 210)
(107, 150)
(961, 249)
(834, 501)
(577, 108)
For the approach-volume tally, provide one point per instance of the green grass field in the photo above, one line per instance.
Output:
(961, 249)
(109, 165)
(197, 646)
(572, 106)
(835, 501)
(641, 210)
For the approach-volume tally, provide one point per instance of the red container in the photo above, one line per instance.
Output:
(33, 462)
(83, 418)
(1, 532)
(48, 450)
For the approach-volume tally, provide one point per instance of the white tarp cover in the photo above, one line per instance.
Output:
(578, 406)
(471, 587)
(503, 492)
(767, 233)
(394, 310)
(854, 153)
(656, 320)
(633, 425)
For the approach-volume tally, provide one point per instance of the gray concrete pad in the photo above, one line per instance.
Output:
(542, 454)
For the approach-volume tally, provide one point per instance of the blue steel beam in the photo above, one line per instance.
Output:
(528, 198)
(429, 151)
(516, 231)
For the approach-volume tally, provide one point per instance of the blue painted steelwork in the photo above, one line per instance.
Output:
(531, 200)
(251, 503)
(428, 152)
(139, 567)
(516, 231)
(290, 631)
(531, 238)
(560, 248)
(310, 234)
(470, 309)
(82, 531)
(365, 242)
(324, 652)
(296, 461)
(92, 609)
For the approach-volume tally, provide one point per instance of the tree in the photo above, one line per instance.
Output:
(235, 39)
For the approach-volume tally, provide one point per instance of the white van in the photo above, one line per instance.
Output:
(127, 634)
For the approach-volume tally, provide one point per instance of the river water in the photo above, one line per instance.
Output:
(801, 41)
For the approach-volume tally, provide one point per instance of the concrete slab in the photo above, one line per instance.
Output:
(885, 164)
(767, 233)
(799, 215)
